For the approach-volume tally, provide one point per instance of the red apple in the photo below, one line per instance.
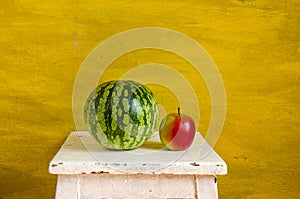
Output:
(177, 131)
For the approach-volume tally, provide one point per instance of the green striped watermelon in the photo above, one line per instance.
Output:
(121, 114)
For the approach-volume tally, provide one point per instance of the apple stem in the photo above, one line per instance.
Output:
(178, 111)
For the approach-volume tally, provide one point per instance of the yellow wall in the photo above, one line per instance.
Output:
(254, 43)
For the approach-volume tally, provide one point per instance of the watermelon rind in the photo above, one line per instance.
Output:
(121, 114)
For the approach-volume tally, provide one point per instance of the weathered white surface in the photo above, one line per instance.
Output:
(68, 187)
(133, 186)
(86, 170)
(82, 154)
(137, 186)
(206, 186)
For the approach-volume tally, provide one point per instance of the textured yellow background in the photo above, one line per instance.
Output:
(254, 43)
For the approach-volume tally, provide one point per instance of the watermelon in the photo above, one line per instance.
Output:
(121, 114)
